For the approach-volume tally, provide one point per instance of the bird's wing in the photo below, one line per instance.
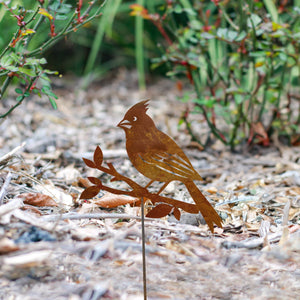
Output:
(170, 163)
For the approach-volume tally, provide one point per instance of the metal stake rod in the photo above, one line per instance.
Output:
(143, 250)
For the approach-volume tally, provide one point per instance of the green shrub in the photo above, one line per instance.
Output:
(32, 30)
(242, 59)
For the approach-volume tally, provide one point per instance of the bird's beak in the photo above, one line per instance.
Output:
(124, 124)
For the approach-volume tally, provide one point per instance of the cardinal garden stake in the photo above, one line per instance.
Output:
(158, 157)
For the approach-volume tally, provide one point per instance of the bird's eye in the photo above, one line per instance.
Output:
(134, 119)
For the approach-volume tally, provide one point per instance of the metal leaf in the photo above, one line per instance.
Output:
(89, 163)
(90, 192)
(159, 211)
(177, 213)
(98, 157)
(95, 180)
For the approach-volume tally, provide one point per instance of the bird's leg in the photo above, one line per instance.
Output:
(149, 183)
(163, 187)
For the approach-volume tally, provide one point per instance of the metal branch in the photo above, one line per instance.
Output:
(139, 191)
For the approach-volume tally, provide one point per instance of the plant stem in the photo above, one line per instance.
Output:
(213, 129)
(227, 18)
(5, 85)
(102, 25)
(139, 48)
(67, 29)
(190, 131)
(237, 122)
(19, 102)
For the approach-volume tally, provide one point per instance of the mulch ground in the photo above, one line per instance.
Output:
(54, 245)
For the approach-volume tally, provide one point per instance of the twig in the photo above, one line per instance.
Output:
(5, 185)
(19, 102)
(253, 243)
(76, 216)
(10, 206)
(10, 154)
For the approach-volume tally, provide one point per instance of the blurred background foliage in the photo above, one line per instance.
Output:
(241, 58)
(111, 37)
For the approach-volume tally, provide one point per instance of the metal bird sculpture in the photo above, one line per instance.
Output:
(157, 156)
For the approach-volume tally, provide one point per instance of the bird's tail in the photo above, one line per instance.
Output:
(208, 212)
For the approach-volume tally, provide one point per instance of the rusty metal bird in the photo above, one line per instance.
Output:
(157, 156)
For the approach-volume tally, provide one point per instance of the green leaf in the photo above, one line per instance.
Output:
(258, 54)
(18, 91)
(283, 56)
(241, 36)
(196, 24)
(53, 103)
(238, 98)
(271, 8)
(54, 6)
(206, 102)
(180, 122)
(61, 17)
(227, 34)
(20, 98)
(43, 61)
(51, 94)
(207, 36)
(45, 89)
(28, 72)
(15, 57)
(6, 61)
(64, 8)
(12, 68)
(256, 20)
(51, 72)
(190, 11)
(178, 9)
(44, 79)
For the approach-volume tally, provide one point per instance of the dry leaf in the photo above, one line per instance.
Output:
(30, 259)
(37, 199)
(257, 130)
(69, 174)
(89, 207)
(212, 190)
(111, 200)
(7, 245)
(31, 209)
(60, 197)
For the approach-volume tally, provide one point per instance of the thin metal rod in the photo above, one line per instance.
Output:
(144, 250)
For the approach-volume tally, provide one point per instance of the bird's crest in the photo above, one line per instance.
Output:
(140, 107)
